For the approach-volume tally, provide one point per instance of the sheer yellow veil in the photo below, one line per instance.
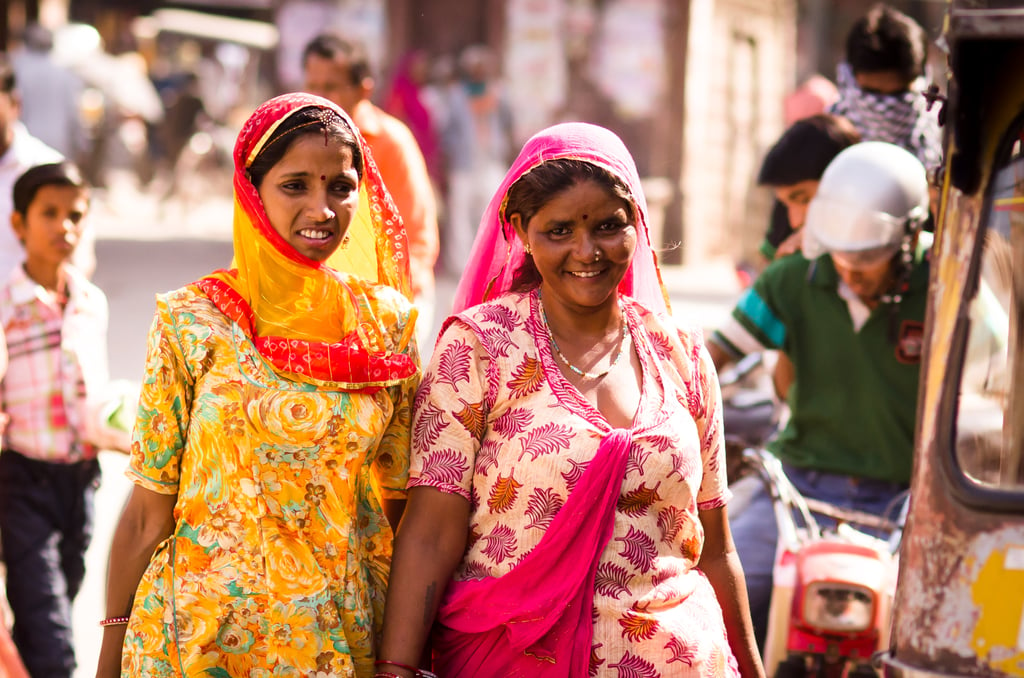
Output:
(290, 298)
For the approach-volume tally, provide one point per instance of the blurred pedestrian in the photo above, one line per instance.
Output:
(405, 100)
(184, 115)
(477, 141)
(792, 168)
(338, 69)
(50, 95)
(814, 95)
(19, 150)
(55, 323)
(882, 84)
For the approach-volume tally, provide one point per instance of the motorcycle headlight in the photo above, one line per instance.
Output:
(840, 608)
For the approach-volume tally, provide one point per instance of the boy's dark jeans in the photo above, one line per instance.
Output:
(46, 516)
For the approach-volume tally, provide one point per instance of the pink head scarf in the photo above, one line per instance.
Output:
(498, 253)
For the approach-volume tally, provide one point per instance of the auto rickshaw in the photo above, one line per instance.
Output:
(959, 603)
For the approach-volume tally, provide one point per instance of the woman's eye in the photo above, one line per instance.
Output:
(344, 188)
(613, 226)
(293, 186)
(559, 231)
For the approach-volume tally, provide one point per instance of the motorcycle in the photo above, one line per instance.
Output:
(833, 582)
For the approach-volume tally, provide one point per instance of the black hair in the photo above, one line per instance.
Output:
(331, 46)
(26, 187)
(886, 39)
(308, 120)
(805, 149)
(541, 185)
(8, 83)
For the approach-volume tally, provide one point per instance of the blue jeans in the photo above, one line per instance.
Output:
(755, 532)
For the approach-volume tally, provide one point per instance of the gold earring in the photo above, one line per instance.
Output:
(344, 242)
(529, 251)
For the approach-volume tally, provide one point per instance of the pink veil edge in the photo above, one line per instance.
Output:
(497, 253)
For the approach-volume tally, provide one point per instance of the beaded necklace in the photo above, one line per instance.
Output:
(561, 356)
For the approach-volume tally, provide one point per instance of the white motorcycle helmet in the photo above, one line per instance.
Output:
(870, 197)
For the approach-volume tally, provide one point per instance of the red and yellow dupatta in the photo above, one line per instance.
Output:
(311, 320)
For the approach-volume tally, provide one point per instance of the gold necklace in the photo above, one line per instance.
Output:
(558, 351)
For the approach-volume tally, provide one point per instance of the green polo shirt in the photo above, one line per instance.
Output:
(854, 398)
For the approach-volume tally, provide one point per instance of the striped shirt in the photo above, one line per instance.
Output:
(57, 358)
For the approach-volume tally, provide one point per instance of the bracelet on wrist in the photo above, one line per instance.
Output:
(416, 672)
(115, 621)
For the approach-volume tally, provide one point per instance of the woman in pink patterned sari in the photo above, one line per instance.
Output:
(567, 497)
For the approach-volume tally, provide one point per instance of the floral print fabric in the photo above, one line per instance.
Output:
(280, 554)
(497, 423)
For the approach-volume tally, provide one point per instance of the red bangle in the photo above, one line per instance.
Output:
(417, 673)
(397, 665)
(114, 621)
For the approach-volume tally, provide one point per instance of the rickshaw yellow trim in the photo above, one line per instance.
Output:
(998, 593)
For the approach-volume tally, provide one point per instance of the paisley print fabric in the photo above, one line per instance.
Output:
(497, 423)
(280, 555)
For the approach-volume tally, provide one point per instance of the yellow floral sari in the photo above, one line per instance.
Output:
(276, 406)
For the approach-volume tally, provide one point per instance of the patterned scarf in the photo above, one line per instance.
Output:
(901, 119)
(313, 321)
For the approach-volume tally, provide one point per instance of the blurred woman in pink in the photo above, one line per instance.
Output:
(405, 101)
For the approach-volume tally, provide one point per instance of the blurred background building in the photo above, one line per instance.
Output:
(695, 87)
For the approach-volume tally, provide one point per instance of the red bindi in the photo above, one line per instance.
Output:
(323, 177)
(584, 217)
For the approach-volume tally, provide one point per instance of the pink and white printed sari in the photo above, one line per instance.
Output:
(584, 538)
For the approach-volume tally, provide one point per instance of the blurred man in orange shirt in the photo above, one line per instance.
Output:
(339, 70)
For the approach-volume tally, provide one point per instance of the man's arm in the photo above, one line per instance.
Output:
(719, 355)
(783, 376)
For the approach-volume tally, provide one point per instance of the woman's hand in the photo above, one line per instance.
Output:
(430, 544)
(721, 565)
(147, 520)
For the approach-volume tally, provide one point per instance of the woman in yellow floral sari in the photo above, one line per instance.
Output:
(271, 444)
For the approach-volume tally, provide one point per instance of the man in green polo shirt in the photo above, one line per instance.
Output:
(850, 318)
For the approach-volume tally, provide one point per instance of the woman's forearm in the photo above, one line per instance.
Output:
(721, 565)
(430, 544)
(147, 520)
(726, 577)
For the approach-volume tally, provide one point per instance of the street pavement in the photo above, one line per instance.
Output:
(145, 248)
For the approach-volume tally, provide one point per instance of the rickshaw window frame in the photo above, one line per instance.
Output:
(967, 492)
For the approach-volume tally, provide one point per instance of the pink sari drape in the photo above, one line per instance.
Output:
(535, 621)
(497, 253)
